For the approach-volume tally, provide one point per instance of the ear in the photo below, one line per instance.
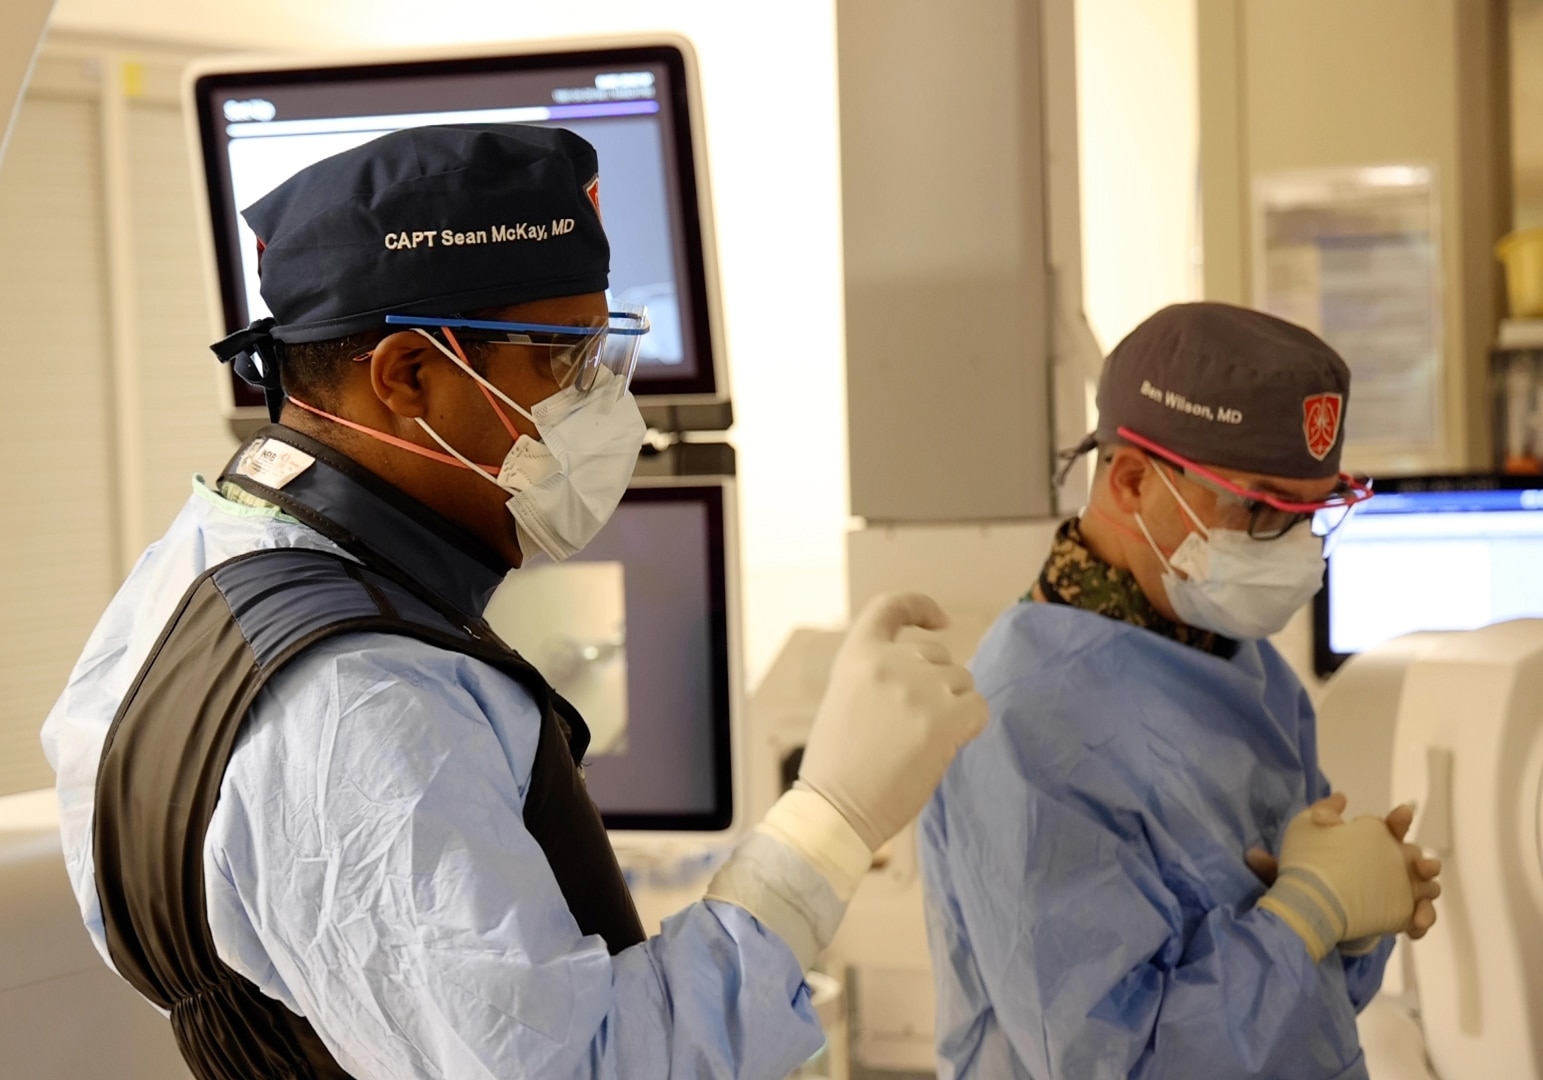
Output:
(398, 366)
(1127, 470)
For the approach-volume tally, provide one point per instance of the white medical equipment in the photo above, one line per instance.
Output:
(62, 1011)
(1460, 717)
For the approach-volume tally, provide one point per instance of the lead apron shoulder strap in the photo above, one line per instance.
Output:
(165, 757)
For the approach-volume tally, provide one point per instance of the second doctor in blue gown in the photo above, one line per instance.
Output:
(1092, 910)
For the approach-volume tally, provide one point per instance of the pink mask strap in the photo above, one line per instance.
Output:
(391, 440)
(1121, 527)
(514, 432)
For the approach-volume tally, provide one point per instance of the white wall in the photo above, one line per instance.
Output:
(769, 92)
(1139, 134)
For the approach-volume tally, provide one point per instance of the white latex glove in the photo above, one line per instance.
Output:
(893, 717)
(1347, 882)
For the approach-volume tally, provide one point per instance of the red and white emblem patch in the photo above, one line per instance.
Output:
(1320, 422)
(592, 189)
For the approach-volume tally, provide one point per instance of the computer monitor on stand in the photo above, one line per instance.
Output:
(1431, 553)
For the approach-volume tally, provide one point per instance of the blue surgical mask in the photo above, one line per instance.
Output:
(1233, 584)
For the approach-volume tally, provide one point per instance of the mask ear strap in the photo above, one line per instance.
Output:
(1144, 534)
(402, 444)
(481, 470)
(1173, 490)
(1115, 523)
(489, 391)
(514, 432)
(1153, 543)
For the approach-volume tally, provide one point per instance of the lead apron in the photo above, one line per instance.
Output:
(166, 753)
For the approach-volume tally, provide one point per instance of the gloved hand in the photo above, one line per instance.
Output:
(1326, 811)
(1348, 882)
(893, 717)
(1329, 811)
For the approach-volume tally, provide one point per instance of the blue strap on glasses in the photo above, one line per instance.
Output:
(429, 322)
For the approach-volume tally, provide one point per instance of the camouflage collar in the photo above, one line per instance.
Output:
(1074, 576)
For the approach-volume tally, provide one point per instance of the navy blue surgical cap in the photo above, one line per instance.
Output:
(424, 221)
(430, 221)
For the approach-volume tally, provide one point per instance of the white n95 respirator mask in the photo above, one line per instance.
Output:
(565, 486)
(1233, 584)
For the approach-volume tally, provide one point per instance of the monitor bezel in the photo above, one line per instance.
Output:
(1325, 660)
(719, 494)
(697, 402)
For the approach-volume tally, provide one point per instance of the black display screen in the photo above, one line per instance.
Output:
(634, 632)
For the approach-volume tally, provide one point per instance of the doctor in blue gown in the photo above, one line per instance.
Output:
(384, 890)
(1102, 897)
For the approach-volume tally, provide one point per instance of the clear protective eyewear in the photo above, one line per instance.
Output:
(577, 353)
(1269, 516)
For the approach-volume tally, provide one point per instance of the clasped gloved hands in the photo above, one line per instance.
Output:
(894, 715)
(1348, 883)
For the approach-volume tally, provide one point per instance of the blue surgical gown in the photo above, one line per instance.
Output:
(1089, 911)
(367, 864)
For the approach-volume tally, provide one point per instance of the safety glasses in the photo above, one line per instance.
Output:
(1269, 516)
(598, 356)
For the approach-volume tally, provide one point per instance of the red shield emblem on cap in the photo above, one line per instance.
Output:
(592, 189)
(1320, 422)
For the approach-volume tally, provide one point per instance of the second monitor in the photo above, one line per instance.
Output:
(639, 632)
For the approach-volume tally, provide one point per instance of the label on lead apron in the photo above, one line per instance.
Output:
(273, 463)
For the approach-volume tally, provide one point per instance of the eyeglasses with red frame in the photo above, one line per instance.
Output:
(1269, 516)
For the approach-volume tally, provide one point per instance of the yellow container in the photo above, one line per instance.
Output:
(1522, 254)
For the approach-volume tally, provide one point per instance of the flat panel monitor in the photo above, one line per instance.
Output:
(1431, 553)
(637, 104)
(639, 632)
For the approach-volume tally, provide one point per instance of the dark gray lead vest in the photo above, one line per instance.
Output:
(165, 756)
